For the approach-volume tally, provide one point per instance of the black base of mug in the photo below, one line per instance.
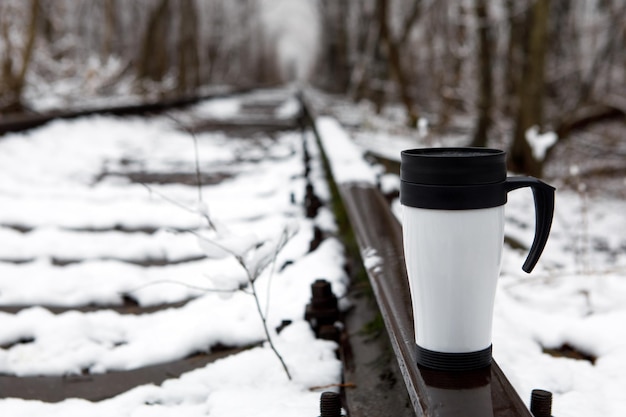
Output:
(444, 361)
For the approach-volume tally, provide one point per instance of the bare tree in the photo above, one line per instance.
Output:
(109, 29)
(513, 59)
(153, 59)
(188, 60)
(335, 62)
(485, 77)
(366, 35)
(531, 92)
(13, 72)
(595, 92)
(448, 75)
(395, 64)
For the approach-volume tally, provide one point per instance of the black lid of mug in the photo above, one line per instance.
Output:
(453, 166)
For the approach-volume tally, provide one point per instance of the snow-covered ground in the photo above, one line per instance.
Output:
(64, 195)
(52, 184)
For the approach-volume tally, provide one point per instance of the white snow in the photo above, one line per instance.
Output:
(62, 187)
(222, 108)
(371, 260)
(218, 388)
(51, 182)
(422, 127)
(389, 183)
(289, 109)
(540, 142)
(346, 159)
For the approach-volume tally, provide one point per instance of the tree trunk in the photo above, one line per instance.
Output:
(13, 80)
(109, 30)
(368, 41)
(412, 17)
(337, 45)
(485, 98)
(448, 82)
(188, 61)
(153, 61)
(393, 55)
(602, 61)
(513, 60)
(531, 92)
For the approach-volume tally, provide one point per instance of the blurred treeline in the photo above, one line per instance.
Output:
(555, 64)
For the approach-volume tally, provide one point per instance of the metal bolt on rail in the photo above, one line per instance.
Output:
(330, 404)
(323, 308)
(541, 403)
(312, 202)
(329, 332)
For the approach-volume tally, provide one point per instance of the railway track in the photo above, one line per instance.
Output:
(29, 237)
(378, 234)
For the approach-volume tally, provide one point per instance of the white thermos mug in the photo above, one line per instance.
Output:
(453, 229)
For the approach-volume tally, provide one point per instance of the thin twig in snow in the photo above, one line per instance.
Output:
(201, 213)
(251, 280)
(251, 275)
(204, 210)
(190, 286)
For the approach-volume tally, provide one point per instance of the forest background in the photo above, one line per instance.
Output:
(509, 65)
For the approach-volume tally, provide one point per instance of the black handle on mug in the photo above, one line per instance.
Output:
(544, 210)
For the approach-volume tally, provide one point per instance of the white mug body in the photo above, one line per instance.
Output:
(453, 261)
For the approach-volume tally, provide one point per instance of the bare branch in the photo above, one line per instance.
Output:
(190, 286)
(412, 17)
(169, 200)
(192, 133)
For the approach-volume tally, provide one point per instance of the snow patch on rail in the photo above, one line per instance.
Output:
(345, 157)
(371, 260)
